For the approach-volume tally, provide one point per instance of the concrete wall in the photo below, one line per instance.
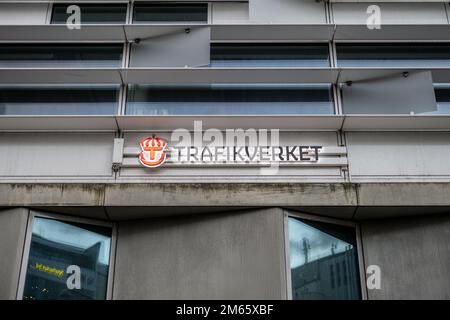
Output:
(413, 254)
(221, 256)
(13, 224)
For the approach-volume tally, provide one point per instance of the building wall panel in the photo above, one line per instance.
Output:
(13, 225)
(413, 255)
(55, 155)
(23, 13)
(221, 256)
(399, 155)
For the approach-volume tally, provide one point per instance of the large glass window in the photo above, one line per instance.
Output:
(323, 259)
(67, 261)
(170, 12)
(230, 99)
(61, 55)
(59, 100)
(269, 55)
(91, 13)
(393, 55)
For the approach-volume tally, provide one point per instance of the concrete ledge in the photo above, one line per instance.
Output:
(133, 200)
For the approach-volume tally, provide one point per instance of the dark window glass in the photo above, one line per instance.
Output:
(317, 252)
(61, 253)
(64, 55)
(91, 13)
(394, 55)
(46, 100)
(269, 54)
(442, 99)
(230, 99)
(170, 12)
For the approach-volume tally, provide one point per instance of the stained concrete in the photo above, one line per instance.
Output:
(413, 254)
(13, 224)
(221, 256)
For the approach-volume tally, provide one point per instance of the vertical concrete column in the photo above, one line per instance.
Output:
(13, 225)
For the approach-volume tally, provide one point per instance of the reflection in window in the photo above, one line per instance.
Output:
(323, 261)
(230, 99)
(269, 55)
(170, 12)
(59, 100)
(393, 55)
(61, 55)
(442, 98)
(56, 245)
(91, 13)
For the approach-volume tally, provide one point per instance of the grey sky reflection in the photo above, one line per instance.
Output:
(317, 244)
(68, 234)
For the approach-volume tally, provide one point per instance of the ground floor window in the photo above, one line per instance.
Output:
(67, 260)
(323, 261)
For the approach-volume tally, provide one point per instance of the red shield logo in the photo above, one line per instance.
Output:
(152, 154)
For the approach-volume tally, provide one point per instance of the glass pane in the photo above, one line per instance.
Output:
(60, 55)
(394, 55)
(229, 99)
(56, 245)
(170, 12)
(442, 99)
(323, 261)
(92, 13)
(51, 100)
(269, 55)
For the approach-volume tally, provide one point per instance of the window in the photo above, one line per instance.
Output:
(170, 12)
(91, 13)
(442, 92)
(323, 261)
(394, 55)
(59, 100)
(230, 99)
(269, 55)
(67, 261)
(60, 55)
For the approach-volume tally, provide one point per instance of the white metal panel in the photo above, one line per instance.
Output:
(50, 155)
(395, 122)
(392, 155)
(188, 48)
(21, 13)
(391, 95)
(236, 12)
(391, 13)
(57, 123)
(287, 11)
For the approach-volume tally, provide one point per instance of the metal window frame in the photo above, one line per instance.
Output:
(305, 216)
(64, 218)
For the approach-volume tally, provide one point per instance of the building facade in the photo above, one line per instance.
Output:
(224, 149)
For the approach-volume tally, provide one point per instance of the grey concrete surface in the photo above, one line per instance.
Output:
(413, 254)
(13, 224)
(221, 256)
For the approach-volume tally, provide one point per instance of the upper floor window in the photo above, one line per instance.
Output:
(230, 99)
(56, 55)
(67, 261)
(393, 55)
(91, 13)
(323, 261)
(59, 100)
(170, 12)
(269, 55)
(442, 92)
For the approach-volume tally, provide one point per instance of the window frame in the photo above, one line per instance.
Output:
(51, 6)
(305, 216)
(208, 21)
(64, 218)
